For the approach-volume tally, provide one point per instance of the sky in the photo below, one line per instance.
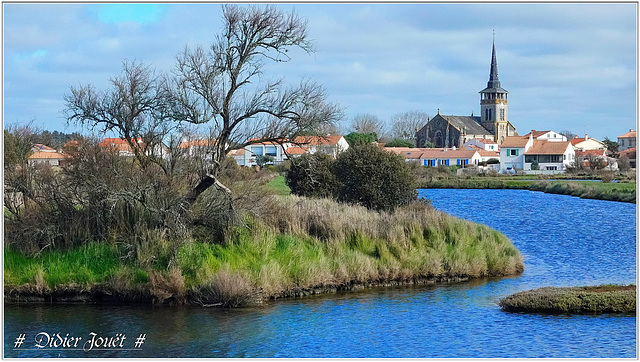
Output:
(569, 66)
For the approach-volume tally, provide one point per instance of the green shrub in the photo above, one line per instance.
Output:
(359, 139)
(374, 178)
(399, 143)
(312, 175)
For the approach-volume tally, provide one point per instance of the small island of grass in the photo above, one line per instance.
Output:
(573, 300)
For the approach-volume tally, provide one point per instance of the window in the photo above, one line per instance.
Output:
(552, 168)
(512, 152)
(271, 151)
(502, 115)
(621, 142)
(257, 150)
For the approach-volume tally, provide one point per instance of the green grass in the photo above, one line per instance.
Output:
(305, 243)
(573, 300)
(278, 186)
(619, 191)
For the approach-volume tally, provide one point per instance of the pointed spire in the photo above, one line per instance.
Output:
(493, 74)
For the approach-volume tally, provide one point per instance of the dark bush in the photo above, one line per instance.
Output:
(312, 175)
(399, 143)
(374, 178)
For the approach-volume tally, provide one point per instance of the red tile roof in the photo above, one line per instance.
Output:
(318, 140)
(38, 155)
(630, 134)
(41, 147)
(630, 153)
(296, 150)
(544, 147)
(576, 140)
(515, 141)
(238, 152)
(581, 153)
(536, 134)
(486, 141)
(197, 143)
(430, 153)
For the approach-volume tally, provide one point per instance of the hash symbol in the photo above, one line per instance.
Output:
(19, 341)
(140, 340)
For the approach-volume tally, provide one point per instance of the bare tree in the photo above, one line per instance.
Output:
(405, 125)
(367, 123)
(224, 88)
(221, 88)
(570, 135)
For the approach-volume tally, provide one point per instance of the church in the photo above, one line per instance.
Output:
(493, 122)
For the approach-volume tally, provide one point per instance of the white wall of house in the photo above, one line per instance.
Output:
(512, 157)
(484, 146)
(274, 150)
(590, 144)
(451, 161)
(552, 136)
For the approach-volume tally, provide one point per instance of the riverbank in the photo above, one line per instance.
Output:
(619, 191)
(306, 246)
(574, 300)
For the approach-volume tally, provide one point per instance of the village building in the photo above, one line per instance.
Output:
(280, 152)
(627, 140)
(587, 143)
(549, 150)
(438, 156)
(45, 155)
(493, 123)
(122, 147)
(597, 158)
(630, 154)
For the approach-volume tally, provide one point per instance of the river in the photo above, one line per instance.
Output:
(565, 241)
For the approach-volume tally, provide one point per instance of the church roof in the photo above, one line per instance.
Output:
(469, 124)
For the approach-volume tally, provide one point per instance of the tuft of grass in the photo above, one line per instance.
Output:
(573, 300)
(88, 264)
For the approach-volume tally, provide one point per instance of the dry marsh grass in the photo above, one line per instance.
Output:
(300, 244)
(310, 243)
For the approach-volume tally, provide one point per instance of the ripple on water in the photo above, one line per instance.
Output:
(565, 241)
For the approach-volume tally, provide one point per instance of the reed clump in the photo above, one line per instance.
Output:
(573, 300)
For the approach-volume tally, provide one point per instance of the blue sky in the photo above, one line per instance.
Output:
(566, 66)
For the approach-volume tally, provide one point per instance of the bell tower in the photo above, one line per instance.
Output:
(493, 103)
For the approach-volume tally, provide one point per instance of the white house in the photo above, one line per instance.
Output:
(272, 149)
(42, 154)
(587, 143)
(482, 143)
(124, 149)
(438, 156)
(331, 145)
(549, 150)
(627, 140)
(512, 152)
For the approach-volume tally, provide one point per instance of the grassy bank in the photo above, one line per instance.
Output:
(576, 300)
(622, 191)
(303, 244)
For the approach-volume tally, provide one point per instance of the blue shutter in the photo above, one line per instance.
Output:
(466, 161)
(447, 162)
(425, 162)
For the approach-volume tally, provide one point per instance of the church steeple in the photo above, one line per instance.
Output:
(493, 102)
(493, 74)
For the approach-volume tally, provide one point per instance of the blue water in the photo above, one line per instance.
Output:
(565, 241)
